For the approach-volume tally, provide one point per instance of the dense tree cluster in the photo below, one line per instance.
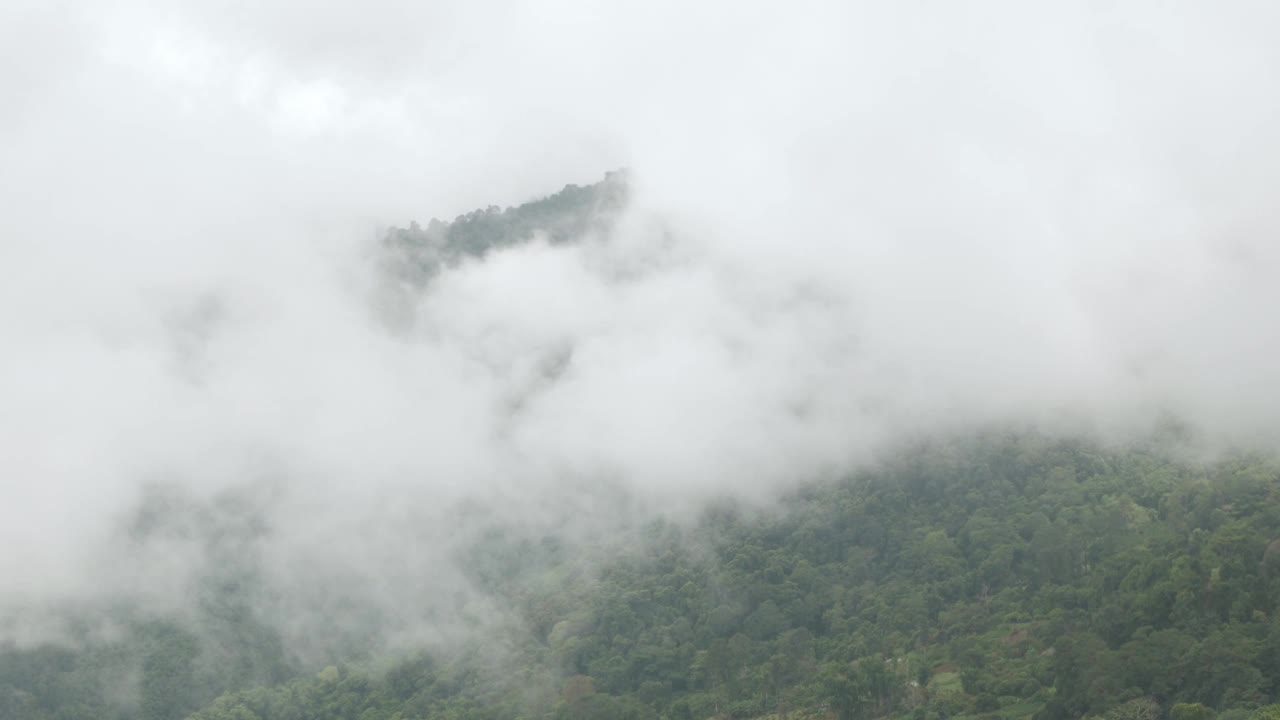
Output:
(997, 576)
(1008, 577)
(415, 254)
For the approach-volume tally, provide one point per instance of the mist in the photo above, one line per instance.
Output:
(848, 225)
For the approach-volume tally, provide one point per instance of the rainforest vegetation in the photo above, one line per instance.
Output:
(991, 574)
(1001, 576)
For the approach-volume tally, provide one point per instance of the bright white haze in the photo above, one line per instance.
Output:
(851, 221)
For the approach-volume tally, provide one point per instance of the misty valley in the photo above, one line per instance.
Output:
(993, 571)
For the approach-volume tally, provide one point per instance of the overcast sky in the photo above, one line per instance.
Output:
(851, 221)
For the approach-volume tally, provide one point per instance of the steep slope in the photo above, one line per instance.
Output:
(990, 577)
(415, 254)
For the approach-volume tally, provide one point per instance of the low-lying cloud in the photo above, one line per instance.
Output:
(849, 224)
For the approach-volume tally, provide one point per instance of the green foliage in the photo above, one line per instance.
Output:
(1191, 711)
(997, 577)
(415, 254)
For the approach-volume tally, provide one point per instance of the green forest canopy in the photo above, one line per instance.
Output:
(998, 575)
(1010, 577)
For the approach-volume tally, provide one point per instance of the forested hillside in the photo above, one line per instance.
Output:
(999, 576)
(996, 575)
(580, 360)
(415, 254)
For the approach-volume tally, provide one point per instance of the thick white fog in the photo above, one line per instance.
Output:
(850, 222)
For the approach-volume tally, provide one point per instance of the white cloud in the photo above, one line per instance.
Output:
(851, 221)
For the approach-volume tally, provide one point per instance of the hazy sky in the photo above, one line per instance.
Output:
(852, 220)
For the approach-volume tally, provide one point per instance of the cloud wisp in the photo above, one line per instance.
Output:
(848, 223)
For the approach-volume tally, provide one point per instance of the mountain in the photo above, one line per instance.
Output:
(988, 577)
(994, 576)
(1007, 575)
(415, 254)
